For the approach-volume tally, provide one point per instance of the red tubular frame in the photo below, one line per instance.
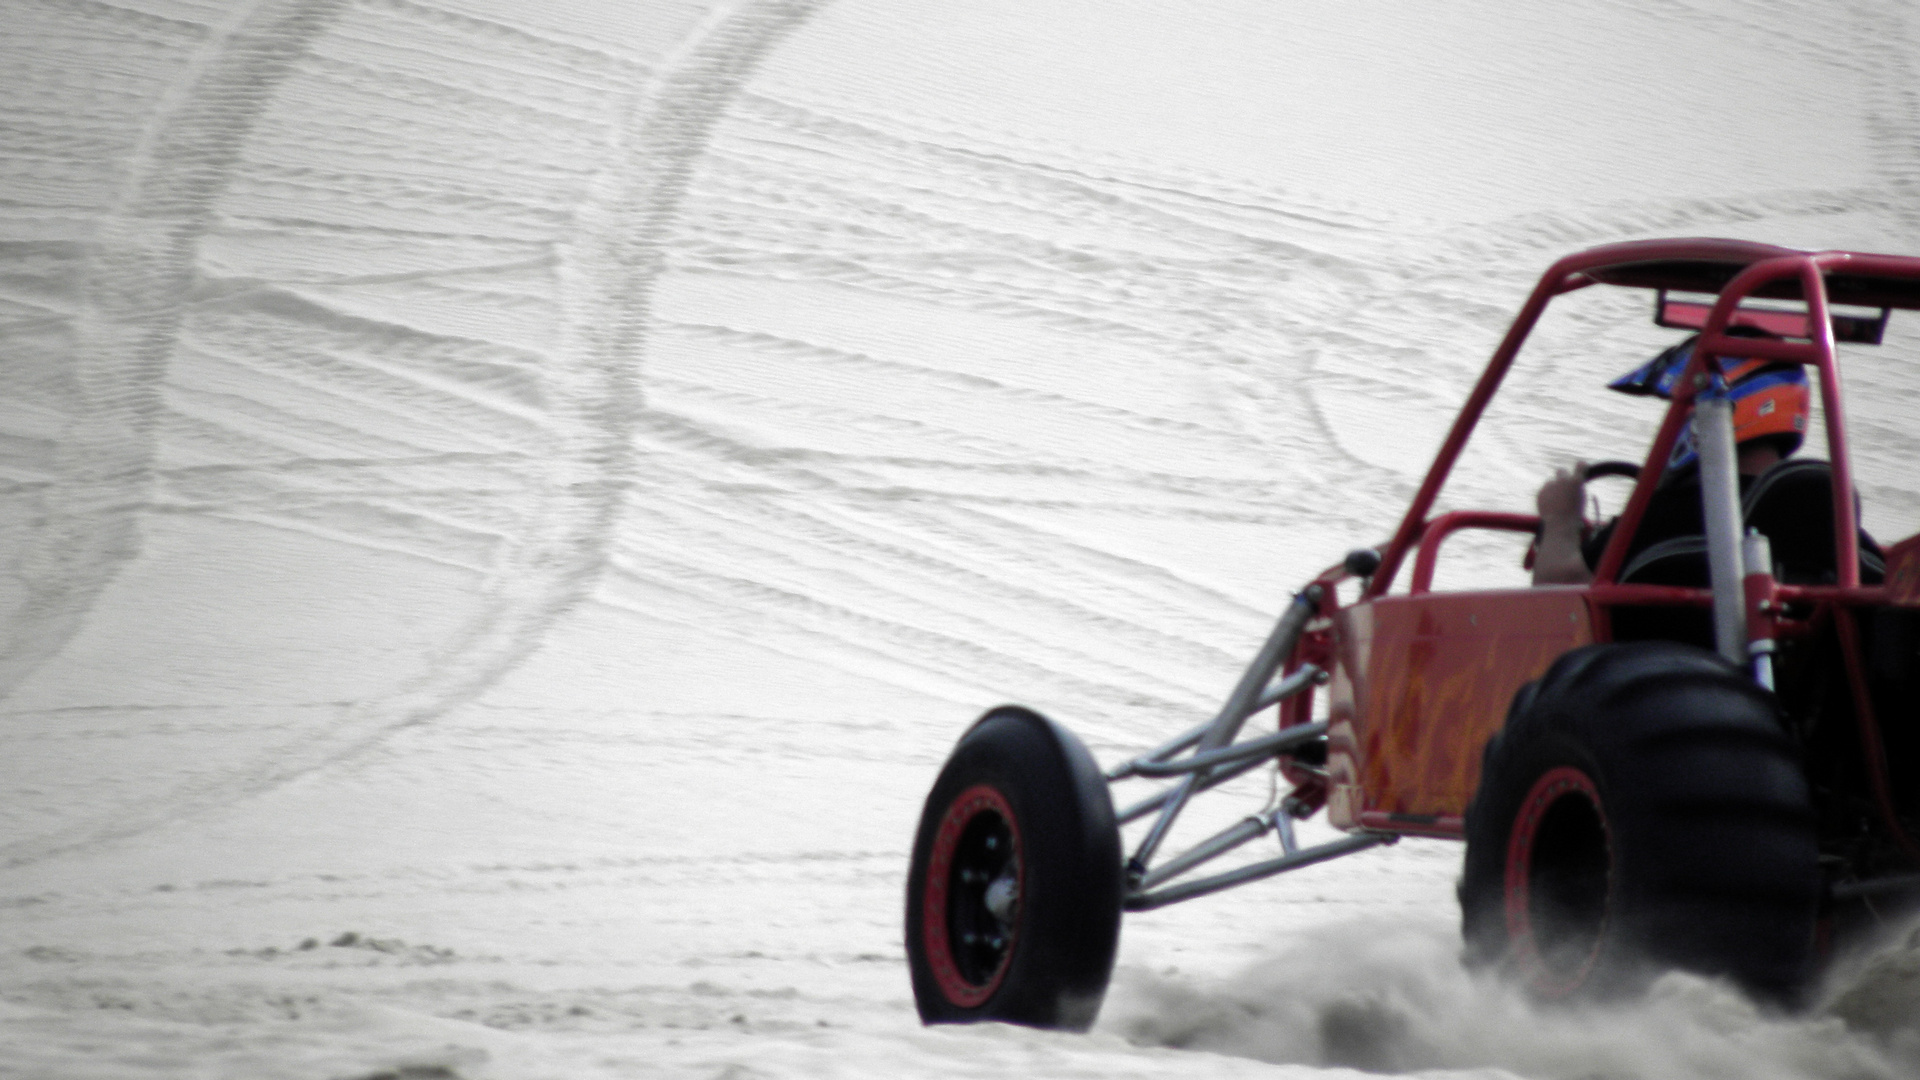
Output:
(1446, 525)
(1564, 277)
(1764, 264)
(1763, 270)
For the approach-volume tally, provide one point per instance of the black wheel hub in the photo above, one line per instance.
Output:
(1567, 884)
(983, 897)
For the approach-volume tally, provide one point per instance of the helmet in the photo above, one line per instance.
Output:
(1770, 400)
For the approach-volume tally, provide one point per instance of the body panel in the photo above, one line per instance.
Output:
(1421, 682)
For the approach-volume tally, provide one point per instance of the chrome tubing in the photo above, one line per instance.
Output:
(1160, 753)
(1146, 901)
(1263, 747)
(1281, 691)
(1212, 780)
(1226, 724)
(1246, 831)
(1720, 509)
(1308, 675)
(1283, 824)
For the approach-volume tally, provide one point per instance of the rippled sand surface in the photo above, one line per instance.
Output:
(504, 508)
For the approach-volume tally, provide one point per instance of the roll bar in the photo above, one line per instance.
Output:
(1734, 270)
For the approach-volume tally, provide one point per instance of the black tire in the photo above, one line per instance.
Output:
(1643, 810)
(1020, 806)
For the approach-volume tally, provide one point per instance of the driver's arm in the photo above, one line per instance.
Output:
(1558, 560)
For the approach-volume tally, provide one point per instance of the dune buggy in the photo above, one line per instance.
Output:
(1699, 760)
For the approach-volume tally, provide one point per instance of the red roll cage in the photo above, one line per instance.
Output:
(1734, 271)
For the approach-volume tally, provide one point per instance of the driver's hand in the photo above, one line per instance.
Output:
(1560, 499)
(1557, 559)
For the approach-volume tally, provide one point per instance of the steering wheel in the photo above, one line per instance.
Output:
(1628, 469)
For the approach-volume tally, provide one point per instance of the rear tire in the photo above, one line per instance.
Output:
(1642, 810)
(1014, 892)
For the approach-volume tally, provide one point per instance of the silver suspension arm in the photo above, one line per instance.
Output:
(1293, 860)
(1256, 749)
(1207, 782)
(1143, 765)
(1246, 697)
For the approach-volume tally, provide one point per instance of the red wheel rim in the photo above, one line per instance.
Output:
(1549, 979)
(948, 860)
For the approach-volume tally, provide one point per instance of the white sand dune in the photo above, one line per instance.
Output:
(503, 508)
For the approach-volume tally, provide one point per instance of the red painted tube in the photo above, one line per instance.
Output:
(1871, 748)
(1445, 525)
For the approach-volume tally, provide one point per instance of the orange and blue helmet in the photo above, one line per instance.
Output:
(1770, 399)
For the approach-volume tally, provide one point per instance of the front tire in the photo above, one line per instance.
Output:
(1014, 892)
(1642, 810)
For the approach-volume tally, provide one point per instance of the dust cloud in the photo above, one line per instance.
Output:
(1394, 998)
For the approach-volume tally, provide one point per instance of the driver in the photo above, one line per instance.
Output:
(1770, 408)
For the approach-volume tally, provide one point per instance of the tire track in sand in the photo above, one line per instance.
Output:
(136, 283)
(608, 266)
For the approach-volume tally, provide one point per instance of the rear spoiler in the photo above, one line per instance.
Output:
(1684, 314)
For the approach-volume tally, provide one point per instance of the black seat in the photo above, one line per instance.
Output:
(1677, 560)
(1792, 506)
